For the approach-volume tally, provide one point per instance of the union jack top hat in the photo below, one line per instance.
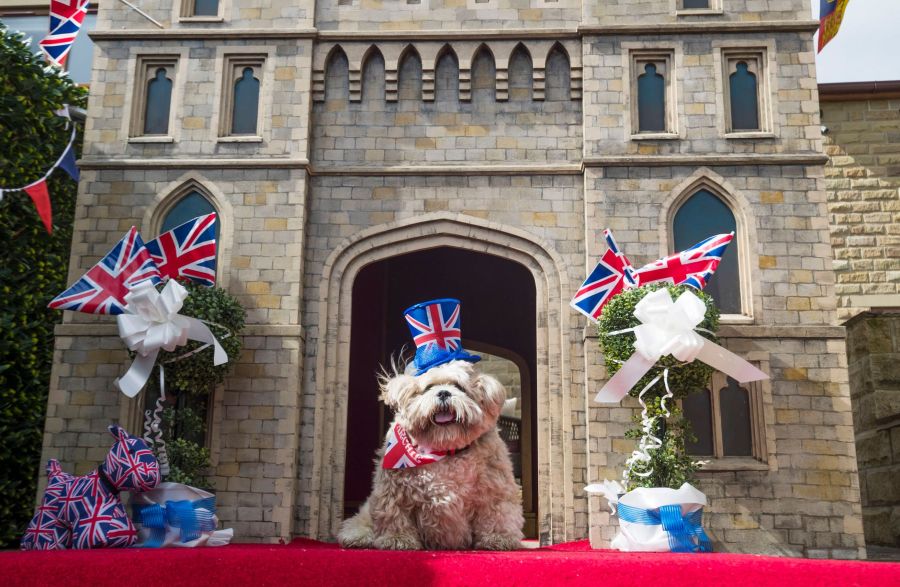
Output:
(435, 330)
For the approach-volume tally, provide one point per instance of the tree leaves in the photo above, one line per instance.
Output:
(33, 266)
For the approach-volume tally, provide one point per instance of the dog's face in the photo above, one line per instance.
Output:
(447, 407)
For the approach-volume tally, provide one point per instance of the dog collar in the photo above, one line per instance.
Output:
(401, 453)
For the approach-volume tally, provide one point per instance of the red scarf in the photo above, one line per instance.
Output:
(401, 453)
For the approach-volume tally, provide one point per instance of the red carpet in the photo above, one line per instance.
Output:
(316, 563)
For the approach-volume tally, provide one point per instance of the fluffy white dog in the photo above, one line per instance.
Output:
(468, 498)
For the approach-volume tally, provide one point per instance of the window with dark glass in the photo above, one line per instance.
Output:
(695, 4)
(651, 89)
(245, 113)
(725, 419)
(700, 216)
(744, 98)
(158, 101)
(206, 8)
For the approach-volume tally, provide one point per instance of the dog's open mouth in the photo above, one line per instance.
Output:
(444, 416)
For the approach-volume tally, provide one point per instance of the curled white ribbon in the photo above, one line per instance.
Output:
(669, 328)
(151, 322)
(611, 490)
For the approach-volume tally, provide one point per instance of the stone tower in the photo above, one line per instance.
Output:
(477, 148)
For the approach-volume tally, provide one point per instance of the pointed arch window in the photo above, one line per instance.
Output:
(446, 77)
(373, 77)
(521, 75)
(557, 75)
(702, 215)
(484, 76)
(152, 105)
(337, 83)
(241, 115)
(652, 94)
(746, 92)
(409, 76)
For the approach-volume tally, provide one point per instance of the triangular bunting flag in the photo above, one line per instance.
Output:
(67, 163)
(41, 199)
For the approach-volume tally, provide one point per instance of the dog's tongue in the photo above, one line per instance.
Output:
(444, 417)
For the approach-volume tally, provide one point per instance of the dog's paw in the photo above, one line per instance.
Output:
(398, 542)
(356, 538)
(497, 542)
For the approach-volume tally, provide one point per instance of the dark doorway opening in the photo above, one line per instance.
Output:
(498, 322)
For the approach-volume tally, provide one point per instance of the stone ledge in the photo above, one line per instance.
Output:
(199, 34)
(701, 28)
(107, 329)
(192, 163)
(463, 169)
(708, 160)
(440, 35)
(715, 465)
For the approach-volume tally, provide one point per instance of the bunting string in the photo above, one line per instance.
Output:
(58, 163)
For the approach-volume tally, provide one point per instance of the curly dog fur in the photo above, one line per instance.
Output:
(467, 500)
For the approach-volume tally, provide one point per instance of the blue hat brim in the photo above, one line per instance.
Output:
(458, 355)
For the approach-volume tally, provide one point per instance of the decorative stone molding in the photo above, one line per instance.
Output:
(553, 353)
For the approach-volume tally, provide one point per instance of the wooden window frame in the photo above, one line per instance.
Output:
(757, 63)
(233, 64)
(664, 60)
(145, 64)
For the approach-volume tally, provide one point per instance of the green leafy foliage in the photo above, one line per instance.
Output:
(618, 314)
(670, 465)
(33, 265)
(191, 377)
(225, 317)
(188, 460)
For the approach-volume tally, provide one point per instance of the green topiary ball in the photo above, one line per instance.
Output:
(618, 314)
(224, 315)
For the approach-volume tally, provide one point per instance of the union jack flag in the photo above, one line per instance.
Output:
(611, 275)
(103, 288)
(66, 18)
(103, 523)
(431, 331)
(401, 453)
(693, 266)
(130, 465)
(188, 250)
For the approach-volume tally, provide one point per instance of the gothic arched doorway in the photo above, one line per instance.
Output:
(498, 321)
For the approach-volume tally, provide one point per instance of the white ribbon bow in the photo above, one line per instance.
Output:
(151, 322)
(667, 328)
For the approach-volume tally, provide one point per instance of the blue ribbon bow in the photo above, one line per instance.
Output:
(192, 517)
(685, 532)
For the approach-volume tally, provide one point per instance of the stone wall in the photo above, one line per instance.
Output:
(863, 183)
(873, 345)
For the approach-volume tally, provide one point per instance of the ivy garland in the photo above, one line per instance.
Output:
(670, 464)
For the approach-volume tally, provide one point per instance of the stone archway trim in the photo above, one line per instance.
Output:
(555, 499)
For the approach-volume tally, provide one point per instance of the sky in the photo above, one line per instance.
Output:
(866, 48)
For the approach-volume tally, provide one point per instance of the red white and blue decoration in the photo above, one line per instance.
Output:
(656, 519)
(37, 190)
(401, 453)
(66, 18)
(175, 514)
(435, 328)
(87, 512)
(614, 273)
(187, 251)
(103, 288)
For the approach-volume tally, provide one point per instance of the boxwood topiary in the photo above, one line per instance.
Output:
(618, 314)
(225, 317)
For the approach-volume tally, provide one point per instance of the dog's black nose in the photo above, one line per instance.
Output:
(443, 395)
